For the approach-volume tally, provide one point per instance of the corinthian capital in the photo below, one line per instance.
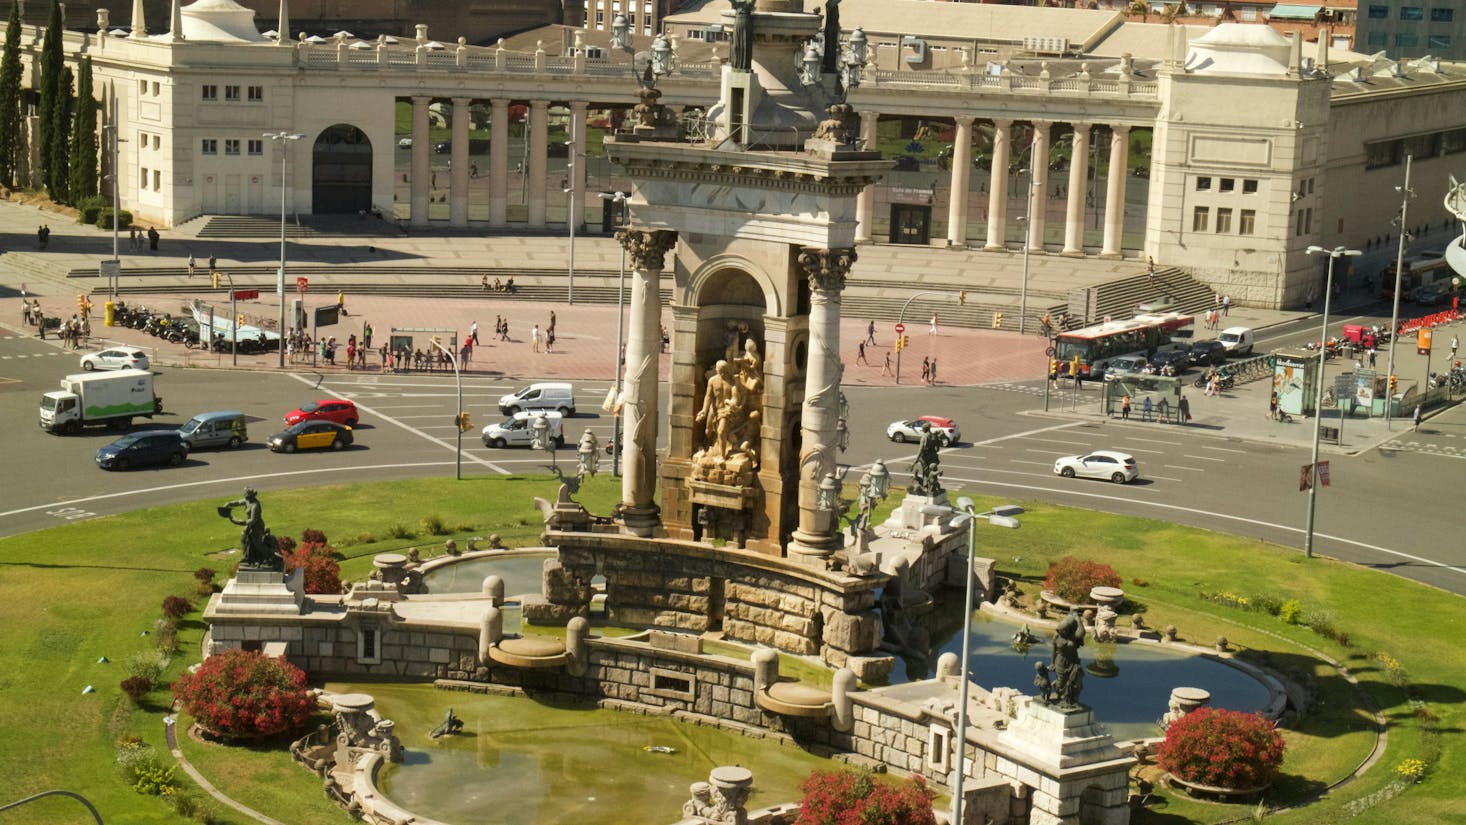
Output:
(647, 247)
(826, 268)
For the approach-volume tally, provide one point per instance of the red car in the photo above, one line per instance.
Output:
(328, 409)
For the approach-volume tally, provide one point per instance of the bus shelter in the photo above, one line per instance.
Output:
(1163, 392)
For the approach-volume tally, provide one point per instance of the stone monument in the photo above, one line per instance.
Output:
(260, 586)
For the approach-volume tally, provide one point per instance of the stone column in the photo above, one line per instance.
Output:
(421, 174)
(539, 133)
(1078, 186)
(961, 169)
(1038, 186)
(498, 161)
(866, 202)
(577, 161)
(998, 185)
(1115, 189)
(815, 538)
(458, 175)
(647, 249)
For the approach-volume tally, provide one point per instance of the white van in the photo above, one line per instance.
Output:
(556, 396)
(1237, 340)
(516, 430)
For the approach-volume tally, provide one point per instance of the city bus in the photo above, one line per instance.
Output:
(1426, 268)
(1095, 346)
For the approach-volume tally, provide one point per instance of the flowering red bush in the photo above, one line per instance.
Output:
(176, 607)
(136, 687)
(322, 571)
(245, 694)
(1222, 748)
(1071, 579)
(846, 798)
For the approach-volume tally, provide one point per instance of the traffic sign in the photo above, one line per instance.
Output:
(900, 328)
(246, 294)
(302, 283)
(1050, 352)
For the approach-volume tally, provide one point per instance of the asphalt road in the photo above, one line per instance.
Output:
(1389, 510)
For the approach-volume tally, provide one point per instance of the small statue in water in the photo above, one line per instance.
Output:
(450, 725)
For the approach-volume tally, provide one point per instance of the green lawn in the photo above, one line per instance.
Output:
(75, 593)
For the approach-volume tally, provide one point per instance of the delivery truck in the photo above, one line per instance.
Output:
(114, 398)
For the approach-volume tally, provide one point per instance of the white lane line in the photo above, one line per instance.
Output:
(489, 464)
(1210, 514)
(1159, 478)
(1139, 450)
(231, 481)
(1154, 441)
(1223, 449)
(1054, 428)
(1034, 463)
(412, 406)
(1179, 467)
(1204, 458)
(1050, 440)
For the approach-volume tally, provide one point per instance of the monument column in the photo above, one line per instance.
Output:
(421, 174)
(865, 203)
(1038, 186)
(539, 134)
(1078, 188)
(458, 174)
(998, 185)
(961, 170)
(498, 161)
(647, 249)
(1115, 190)
(826, 269)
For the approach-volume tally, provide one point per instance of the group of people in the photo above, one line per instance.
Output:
(135, 238)
(1157, 410)
(43, 236)
(548, 335)
(498, 286)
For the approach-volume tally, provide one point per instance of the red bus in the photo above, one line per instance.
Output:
(1095, 346)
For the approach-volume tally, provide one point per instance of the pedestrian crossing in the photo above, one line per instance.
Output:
(1433, 448)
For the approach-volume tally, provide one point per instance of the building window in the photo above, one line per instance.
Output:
(142, 87)
(231, 94)
(1200, 218)
(211, 92)
(1247, 222)
(1310, 185)
(1438, 41)
(1453, 141)
(231, 146)
(157, 142)
(1423, 146)
(1224, 221)
(1407, 40)
(157, 88)
(1378, 39)
(1377, 12)
(1203, 184)
(1228, 184)
(143, 179)
(1412, 13)
(256, 147)
(210, 146)
(256, 94)
(1298, 224)
(1249, 186)
(157, 179)
(1442, 15)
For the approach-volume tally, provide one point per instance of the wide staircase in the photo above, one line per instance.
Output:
(235, 227)
(1173, 291)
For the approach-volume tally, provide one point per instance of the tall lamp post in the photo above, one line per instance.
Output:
(283, 137)
(1405, 195)
(620, 199)
(460, 420)
(1001, 516)
(116, 203)
(1334, 254)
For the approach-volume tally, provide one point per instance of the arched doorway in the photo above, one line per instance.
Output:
(341, 171)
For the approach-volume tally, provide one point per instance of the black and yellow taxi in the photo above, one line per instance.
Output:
(311, 435)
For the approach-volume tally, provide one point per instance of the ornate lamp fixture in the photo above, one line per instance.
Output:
(620, 32)
(588, 455)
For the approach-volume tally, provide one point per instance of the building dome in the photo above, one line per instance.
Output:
(1239, 48)
(214, 21)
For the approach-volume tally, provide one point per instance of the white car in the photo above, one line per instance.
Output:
(405, 142)
(115, 359)
(910, 430)
(1102, 464)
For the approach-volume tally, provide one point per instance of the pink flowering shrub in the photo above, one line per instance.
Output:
(1071, 579)
(245, 694)
(847, 798)
(1222, 748)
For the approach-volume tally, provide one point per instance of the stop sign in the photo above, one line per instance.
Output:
(900, 328)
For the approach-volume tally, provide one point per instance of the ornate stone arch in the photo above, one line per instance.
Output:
(702, 283)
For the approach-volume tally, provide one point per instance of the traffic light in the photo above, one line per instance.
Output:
(997, 320)
(1053, 367)
(215, 276)
(462, 421)
(898, 342)
(81, 302)
(962, 298)
(1392, 385)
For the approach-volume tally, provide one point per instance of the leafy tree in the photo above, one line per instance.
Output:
(10, 72)
(52, 63)
(58, 178)
(245, 694)
(83, 161)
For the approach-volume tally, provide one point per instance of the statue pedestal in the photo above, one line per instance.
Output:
(1057, 738)
(908, 519)
(256, 591)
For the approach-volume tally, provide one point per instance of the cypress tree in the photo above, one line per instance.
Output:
(59, 182)
(84, 138)
(52, 62)
(10, 73)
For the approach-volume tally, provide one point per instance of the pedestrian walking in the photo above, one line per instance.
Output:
(1455, 343)
(933, 330)
(1146, 409)
(213, 264)
(870, 333)
(1416, 418)
(366, 335)
(933, 375)
(465, 355)
(341, 302)
(473, 332)
(1372, 354)
(1150, 269)
(551, 328)
(550, 340)
(886, 370)
(926, 370)
(152, 238)
(1125, 408)
(1183, 410)
(534, 338)
(860, 359)
(1227, 305)
(504, 333)
(191, 264)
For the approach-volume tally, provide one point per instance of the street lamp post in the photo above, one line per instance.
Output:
(283, 136)
(1334, 254)
(1405, 195)
(1027, 221)
(620, 199)
(459, 419)
(116, 202)
(1001, 516)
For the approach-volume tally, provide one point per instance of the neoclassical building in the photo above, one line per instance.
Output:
(1226, 151)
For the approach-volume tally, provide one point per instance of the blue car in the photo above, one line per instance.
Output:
(143, 449)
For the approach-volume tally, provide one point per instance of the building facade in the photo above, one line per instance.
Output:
(1404, 29)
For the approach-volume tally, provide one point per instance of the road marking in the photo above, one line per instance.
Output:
(1139, 450)
(1050, 440)
(1002, 438)
(1035, 463)
(1223, 449)
(1204, 458)
(470, 456)
(1179, 467)
(1210, 514)
(1155, 441)
(1160, 478)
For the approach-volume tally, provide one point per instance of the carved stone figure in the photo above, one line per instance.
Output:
(255, 542)
(1044, 682)
(926, 473)
(740, 57)
(731, 419)
(1104, 624)
(840, 127)
(1068, 673)
(450, 725)
(831, 62)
